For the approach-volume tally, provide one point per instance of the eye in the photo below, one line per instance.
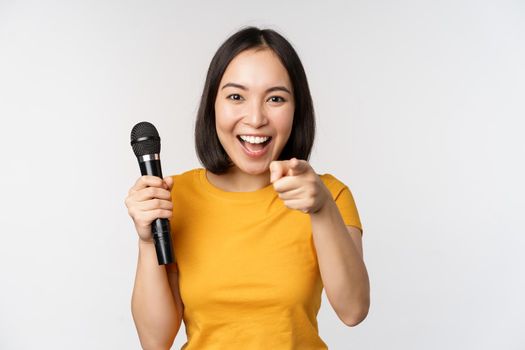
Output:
(277, 99)
(234, 97)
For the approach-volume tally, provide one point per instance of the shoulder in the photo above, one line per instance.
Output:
(337, 188)
(186, 178)
(333, 184)
(186, 175)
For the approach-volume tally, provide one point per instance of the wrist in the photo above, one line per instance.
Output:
(143, 242)
(326, 203)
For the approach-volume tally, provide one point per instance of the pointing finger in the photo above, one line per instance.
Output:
(297, 166)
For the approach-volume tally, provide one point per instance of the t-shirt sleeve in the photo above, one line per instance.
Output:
(344, 200)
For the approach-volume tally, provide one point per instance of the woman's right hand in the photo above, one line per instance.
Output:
(148, 199)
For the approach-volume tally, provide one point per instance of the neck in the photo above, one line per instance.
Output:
(235, 180)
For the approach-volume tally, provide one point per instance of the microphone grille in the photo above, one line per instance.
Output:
(145, 139)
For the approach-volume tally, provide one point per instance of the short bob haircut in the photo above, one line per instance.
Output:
(299, 145)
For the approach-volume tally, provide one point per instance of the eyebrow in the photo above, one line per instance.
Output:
(242, 87)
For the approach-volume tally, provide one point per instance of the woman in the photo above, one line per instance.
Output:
(257, 233)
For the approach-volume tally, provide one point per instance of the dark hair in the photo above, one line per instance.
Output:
(299, 145)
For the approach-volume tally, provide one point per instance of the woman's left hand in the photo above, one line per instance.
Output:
(298, 185)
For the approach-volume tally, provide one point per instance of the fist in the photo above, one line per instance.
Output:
(148, 199)
(298, 185)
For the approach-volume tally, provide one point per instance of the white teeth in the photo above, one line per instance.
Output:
(254, 139)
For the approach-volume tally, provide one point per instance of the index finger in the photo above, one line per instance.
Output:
(298, 166)
(149, 181)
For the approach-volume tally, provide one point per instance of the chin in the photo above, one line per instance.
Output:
(254, 169)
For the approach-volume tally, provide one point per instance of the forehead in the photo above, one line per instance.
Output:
(256, 67)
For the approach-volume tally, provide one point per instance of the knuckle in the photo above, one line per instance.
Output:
(152, 191)
(150, 180)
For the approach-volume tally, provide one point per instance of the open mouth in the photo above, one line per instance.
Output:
(254, 147)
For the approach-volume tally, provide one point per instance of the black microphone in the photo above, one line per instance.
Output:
(145, 142)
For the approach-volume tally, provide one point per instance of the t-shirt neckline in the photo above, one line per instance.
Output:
(257, 195)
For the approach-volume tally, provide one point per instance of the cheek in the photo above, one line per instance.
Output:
(283, 121)
(224, 118)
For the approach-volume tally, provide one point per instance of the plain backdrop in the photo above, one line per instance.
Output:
(420, 111)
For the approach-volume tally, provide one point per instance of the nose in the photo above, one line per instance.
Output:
(256, 115)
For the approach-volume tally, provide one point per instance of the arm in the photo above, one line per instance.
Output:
(155, 303)
(340, 260)
(340, 257)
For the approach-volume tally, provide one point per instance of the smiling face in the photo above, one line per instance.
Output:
(254, 110)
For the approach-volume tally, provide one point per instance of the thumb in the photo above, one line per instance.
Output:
(277, 169)
(169, 181)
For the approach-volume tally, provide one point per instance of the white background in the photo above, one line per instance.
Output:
(420, 111)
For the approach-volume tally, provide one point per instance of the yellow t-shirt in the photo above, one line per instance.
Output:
(248, 271)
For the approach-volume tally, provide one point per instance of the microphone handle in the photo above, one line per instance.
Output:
(160, 228)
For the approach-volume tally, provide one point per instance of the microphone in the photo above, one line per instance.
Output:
(145, 142)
